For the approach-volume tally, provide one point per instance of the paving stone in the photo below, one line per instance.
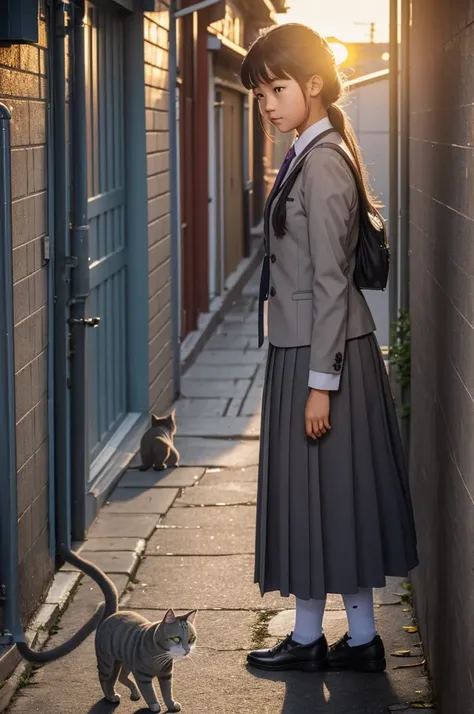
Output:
(201, 541)
(240, 427)
(224, 372)
(195, 451)
(126, 525)
(141, 500)
(136, 545)
(61, 587)
(221, 357)
(244, 328)
(235, 317)
(253, 344)
(225, 342)
(234, 407)
(252, 403)
(222, 476)
(111, 562)
(201, 407)
(210, 517)
(259, 380)
(171, 478)
(223, 630)
(88, 590)
(203, 388)
(391, 594)
(227, 494)
(204, 582)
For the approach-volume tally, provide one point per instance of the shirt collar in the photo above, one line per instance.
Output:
(311, 133)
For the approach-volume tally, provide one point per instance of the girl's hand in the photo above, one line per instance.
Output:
(317, 413)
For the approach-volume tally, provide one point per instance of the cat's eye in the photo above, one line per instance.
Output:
(176, 639)
(192, 640)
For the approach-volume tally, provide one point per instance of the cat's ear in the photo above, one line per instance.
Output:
(170, 617)
(191, 616)
(154, 420)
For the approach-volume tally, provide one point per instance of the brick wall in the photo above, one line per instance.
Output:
(23, 88)
(159, 240)
(442, 313)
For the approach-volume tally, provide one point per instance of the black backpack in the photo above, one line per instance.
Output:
(372, 252)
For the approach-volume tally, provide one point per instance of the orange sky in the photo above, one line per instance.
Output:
(341, 17)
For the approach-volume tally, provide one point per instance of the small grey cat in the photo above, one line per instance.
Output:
(156, 447)
(129, 643)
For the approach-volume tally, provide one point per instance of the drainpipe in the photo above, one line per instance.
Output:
(9, 590)
(393, 163)
(175, 14)
(405, 184)
(62, 280)
(78, 320)
(175, 217)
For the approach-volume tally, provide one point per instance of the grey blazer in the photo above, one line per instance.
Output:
(313, 299)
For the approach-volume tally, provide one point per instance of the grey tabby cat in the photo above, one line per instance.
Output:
(129, 643)
(156, 447)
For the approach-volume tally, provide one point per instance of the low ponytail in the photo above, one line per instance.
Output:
(342, 125)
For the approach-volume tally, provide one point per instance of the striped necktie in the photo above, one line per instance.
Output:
(284, 167)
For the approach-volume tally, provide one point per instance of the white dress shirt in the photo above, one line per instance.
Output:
(317, 380)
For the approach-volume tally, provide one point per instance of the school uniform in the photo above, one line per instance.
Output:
(333, 515)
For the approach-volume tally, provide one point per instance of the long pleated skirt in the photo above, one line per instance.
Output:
(334, 514)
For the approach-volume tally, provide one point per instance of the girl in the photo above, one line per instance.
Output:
(334, 513)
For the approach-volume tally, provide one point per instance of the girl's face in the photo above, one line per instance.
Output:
(283, 103)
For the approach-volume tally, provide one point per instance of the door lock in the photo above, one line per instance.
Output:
(85, 321)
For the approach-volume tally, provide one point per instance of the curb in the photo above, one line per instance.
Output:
(12, 667)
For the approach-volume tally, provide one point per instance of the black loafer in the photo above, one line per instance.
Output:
(291, 655)
(364, 658)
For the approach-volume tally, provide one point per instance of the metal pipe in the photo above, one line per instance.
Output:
(404, 153)
(61, 272)
(393, 163)
(50, 257)
(212, 179)
(9, 592)
(174, 201)
(405, 188)
(80, 278)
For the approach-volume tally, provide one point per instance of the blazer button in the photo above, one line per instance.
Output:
(338, 357)
(273, 258)
(337, 366)
(272, 291)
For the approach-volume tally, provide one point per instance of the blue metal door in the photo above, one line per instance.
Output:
(107, 346)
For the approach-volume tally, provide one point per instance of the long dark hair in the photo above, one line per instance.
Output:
(295, 51)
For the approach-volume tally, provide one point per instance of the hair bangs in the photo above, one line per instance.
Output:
(262, 67)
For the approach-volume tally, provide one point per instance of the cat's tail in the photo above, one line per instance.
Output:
(103, 611)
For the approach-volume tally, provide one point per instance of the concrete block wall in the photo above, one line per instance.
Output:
(156, 27)
(442, 314)
(23, 86)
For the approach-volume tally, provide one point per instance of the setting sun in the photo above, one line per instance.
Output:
(347, 20)
(340, 52)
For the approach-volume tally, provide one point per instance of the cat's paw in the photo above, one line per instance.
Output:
(114, 699)
(155, 707)
(175, 708)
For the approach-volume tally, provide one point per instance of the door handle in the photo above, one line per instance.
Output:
(85, 321)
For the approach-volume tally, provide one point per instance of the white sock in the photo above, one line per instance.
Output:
(360, 615)
(309, 621)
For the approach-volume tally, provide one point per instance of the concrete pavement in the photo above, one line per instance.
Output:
(185, 539)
